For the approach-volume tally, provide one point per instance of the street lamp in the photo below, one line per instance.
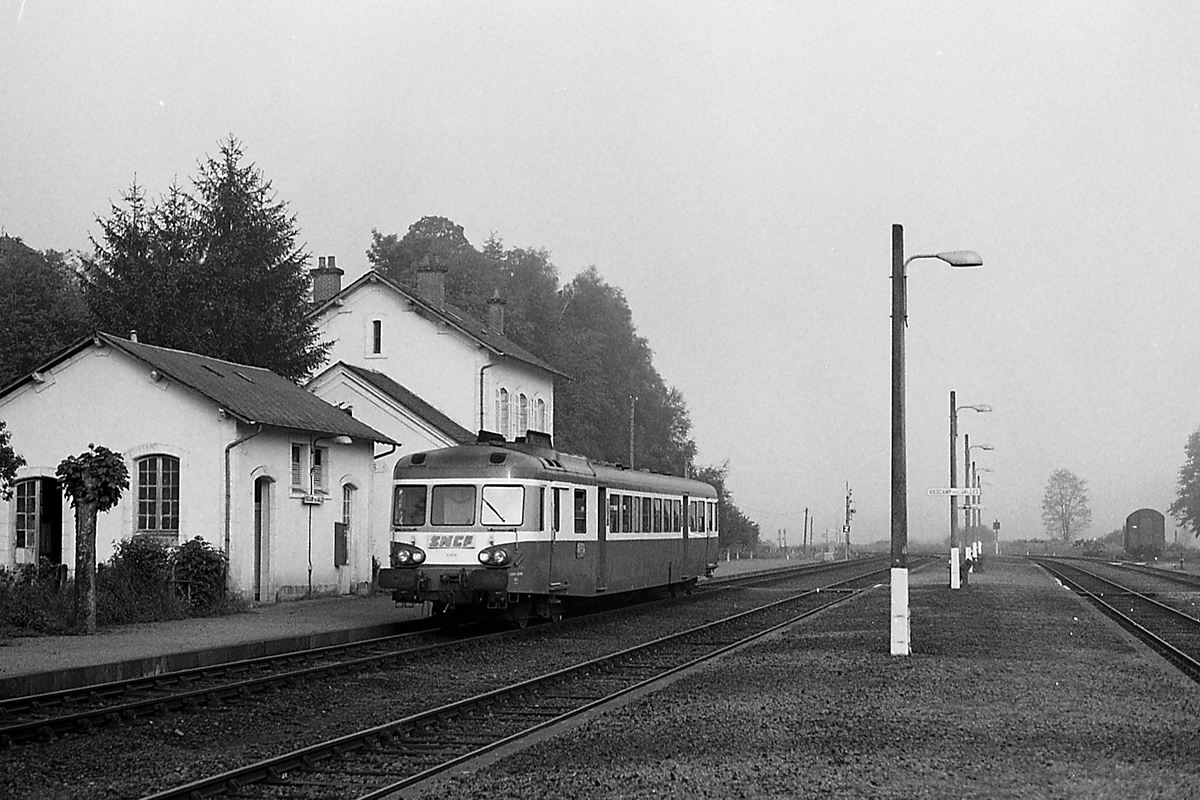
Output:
(955, 566)
(900, 645)
(968, 478)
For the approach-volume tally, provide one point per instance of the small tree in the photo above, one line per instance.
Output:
(1186, 508)
(94, 481)
(10, 462)
(1065, 509)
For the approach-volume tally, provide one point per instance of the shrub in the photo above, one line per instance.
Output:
(35, 599)
(200, 571)
(134, 585)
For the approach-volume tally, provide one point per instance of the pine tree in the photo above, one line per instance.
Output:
(217, 272)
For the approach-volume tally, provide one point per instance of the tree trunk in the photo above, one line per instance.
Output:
(85, 565)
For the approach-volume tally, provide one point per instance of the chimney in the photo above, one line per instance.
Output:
(496, 312)
(326, 279)
(431, 280)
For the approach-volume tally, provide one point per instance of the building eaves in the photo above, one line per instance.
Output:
(406, 398)
(452, 316)
(250, 394)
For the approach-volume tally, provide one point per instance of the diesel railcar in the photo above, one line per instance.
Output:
(1145, 533)
(518, 529)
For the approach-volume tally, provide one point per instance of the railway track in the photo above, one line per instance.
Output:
(46, 716)
(377, 761)
(1169, 631)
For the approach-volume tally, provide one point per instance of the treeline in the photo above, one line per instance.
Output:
(218, 269)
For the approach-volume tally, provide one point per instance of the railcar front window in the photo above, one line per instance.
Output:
(452, 505)
(503, 505)
(408, 505)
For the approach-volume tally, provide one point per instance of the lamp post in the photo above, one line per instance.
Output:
(955, 565)
(968, 511)
(900, 644)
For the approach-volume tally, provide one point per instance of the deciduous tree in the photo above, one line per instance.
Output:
(94, 480)
(736, 529)
(10, 462)
(1065, 509)
(43, 309)
(1186, 507)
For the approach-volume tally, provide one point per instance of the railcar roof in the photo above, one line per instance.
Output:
(512, 460)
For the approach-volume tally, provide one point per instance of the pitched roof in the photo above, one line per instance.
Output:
(251, 394)
(455, 317)
(412, 402)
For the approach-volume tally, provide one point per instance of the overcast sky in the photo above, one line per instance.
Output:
(735, 168)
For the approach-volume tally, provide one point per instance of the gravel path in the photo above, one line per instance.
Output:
(1014, 690)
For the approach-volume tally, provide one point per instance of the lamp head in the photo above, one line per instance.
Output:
(962, 258)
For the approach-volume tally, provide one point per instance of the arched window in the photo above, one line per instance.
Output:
(503, 413)
(158, 494)
(376, 336)
(522, 414)
(540, 416)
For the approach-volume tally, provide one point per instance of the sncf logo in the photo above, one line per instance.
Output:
(446, 541)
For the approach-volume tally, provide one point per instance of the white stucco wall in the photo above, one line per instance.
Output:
(298, 534)
(339, 387)
(436, 362)
(103, 397)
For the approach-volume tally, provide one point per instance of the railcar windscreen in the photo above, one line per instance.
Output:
(408, 505)
(452, 505)
(503, 505)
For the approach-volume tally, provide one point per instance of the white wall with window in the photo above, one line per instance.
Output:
(176, 445)
(516, 413)
(443, 366)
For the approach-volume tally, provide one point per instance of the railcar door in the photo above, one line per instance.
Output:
(689, 520)
(570, 550)
(601, 557)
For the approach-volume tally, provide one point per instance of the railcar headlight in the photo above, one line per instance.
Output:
(495, 557)
(406, 555)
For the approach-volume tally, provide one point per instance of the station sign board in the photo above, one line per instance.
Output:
(957, 492)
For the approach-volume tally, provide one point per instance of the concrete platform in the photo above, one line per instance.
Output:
(32, 665)
(1015, 688)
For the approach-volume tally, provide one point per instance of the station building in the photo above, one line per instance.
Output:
(293, 483)
(235, 455)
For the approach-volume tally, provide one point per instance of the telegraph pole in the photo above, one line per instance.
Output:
(804, 538)
(632, 401)
(849, 511)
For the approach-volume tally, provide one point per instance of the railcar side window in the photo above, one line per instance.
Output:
(558, 514)
(626, 513)
(647, 514)
(452, 505)
(580, 511)
(408, 505)
(503, 505)
(637, 515)
(614, 512)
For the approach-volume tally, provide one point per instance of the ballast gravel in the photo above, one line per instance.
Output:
(1014, 689)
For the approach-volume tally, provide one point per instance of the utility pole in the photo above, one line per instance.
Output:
(849, 511)
(632, 401)
(804, 538)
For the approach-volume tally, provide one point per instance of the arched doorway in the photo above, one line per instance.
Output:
(262, 538)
